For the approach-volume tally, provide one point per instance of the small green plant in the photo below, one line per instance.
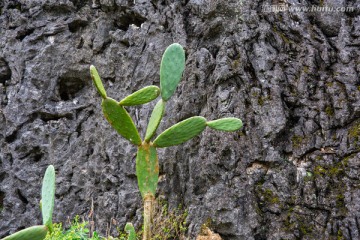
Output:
(77, 231)
(47, 207)
(147, 165)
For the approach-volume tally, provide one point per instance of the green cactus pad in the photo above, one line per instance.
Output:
(144, 95)
(171, 69)
(180, 132)
(48, 196)
(31, 233)
(97, 81)
(155, 119)
(120, 120)
(129, 228)
(147, 169)
(226, 124)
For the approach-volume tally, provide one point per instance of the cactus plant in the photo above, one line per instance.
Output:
(171, 70)
(30, 233)
(142, 96)
(97, 81)
(180, 132)
(225, 124)
(48, 196)
(147, 166)
(120, 119)
(129, 228)
(46, 206)
(155, 119)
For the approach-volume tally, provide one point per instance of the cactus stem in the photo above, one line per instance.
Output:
(148, 212)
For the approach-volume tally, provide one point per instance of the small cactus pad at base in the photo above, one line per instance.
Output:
(171, 69)
(31, 233)
(226, 124)
(48, 196)
(147, 169)
(97, 81)
(142, 96)
(129, 228)
(181, 132)
(120, 120)
(155, 119)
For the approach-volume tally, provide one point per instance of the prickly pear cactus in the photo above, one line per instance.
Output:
(171, 70)
(48, 196)
(31, 233)
(155, 119)
(226, 124)
(46, 207)
(145, 95)
(147, 166)
(97, 81)
(129, 228)
(181, 132)
(120, 120)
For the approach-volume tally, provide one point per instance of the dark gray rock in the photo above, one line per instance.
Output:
(292, 172)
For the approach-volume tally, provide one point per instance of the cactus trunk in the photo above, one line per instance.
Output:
(147, 171)
(148, 214)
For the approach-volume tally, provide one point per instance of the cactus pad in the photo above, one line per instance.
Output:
(181, 132)
(120, 120)
(141, 96)
(155, 119)
(171, 69)
(147, 169)
(48, 196)
(97, 81)
(226, 124)
(31, 233)
(129, 228)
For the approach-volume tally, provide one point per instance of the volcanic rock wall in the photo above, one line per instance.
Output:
(292, 172)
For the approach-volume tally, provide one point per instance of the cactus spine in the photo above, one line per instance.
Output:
(147, 166)
(46, 206)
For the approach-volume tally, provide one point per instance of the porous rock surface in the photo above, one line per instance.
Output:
(292, 172)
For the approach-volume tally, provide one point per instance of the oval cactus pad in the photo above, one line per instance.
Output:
(147, 169)
(171, 69)
(129, 228)
(181, 132)
(155, 119)
(97, 81)
(48, 196)
(142, 96)
(120, 120)
(31, 233)
(226, 124)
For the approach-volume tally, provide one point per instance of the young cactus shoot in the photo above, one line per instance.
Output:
(147, 166)
(48, 196)
(46, 206)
